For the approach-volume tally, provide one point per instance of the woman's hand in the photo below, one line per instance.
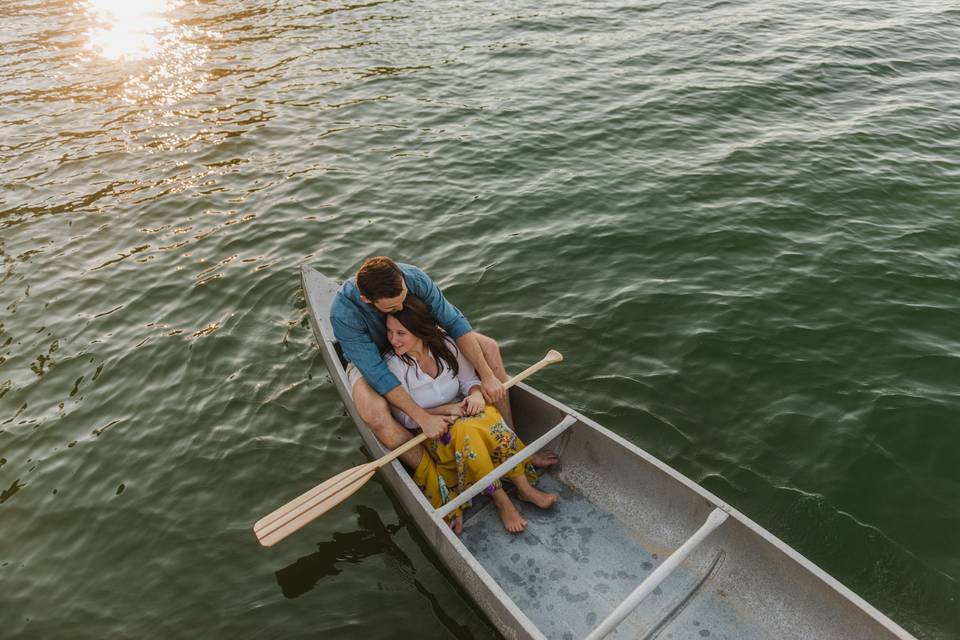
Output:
(452, 410)
(473, 404)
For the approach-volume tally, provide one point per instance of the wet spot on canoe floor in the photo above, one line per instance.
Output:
(586, 534)
(591, 619)
(602, 588)
(704, 633)
(515, 557)
(572, 597)
(511, 575)
(647, 566)
(557, 574)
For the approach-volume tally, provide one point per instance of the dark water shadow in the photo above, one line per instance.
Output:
(372, 538)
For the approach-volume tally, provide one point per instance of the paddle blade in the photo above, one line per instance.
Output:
(303, 509)
(553, 356)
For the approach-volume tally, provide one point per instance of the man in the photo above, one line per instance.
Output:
(358, 316)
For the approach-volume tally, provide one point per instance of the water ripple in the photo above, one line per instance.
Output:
(735, 220)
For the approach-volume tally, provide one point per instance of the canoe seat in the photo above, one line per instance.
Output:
(339, 350)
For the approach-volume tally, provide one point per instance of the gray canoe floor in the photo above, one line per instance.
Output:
(575, 563)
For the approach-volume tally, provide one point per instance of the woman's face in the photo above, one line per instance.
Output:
(399, 338)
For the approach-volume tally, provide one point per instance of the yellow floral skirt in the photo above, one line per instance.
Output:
(471, 449)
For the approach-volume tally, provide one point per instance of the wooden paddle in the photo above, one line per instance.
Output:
(297, 513)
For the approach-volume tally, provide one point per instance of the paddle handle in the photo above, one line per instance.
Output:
(552, 356)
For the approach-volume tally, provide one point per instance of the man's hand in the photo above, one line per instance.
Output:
(473, 404)
(435, 426)
(492, 389)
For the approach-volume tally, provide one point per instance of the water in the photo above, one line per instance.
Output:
(738, 221)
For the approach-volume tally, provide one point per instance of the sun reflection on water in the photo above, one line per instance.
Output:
(145, 38)
(128, 29)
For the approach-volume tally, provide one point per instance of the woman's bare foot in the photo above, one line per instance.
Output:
(542, 499)
(527, 493)
(544, 459)
(457, 525)
(511, 518)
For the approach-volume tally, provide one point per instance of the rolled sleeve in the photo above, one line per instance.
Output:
(446, 315)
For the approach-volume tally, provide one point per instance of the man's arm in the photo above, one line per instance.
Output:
(491, 387)
(457, 327)
(359, 349)
(445, 314)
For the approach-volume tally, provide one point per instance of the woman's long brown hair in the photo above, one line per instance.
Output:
(417, 319)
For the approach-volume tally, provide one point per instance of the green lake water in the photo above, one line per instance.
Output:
(740, 222)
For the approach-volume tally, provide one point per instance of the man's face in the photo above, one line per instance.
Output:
(389, 305)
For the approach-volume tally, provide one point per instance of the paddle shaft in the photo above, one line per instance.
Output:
(550, 358)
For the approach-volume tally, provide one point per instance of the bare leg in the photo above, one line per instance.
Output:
(511, 518)
(491, 352)
(375, 411)
(527, 493)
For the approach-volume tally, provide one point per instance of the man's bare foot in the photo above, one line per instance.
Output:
(544, 459)
(457, 525)
(540, 498)
(511, 518)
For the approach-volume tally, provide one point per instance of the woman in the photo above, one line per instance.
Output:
(441, 380)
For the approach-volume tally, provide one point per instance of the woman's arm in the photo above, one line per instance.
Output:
(450, 409)
(467, 377)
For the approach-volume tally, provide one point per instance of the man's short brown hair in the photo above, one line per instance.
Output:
(379, 277)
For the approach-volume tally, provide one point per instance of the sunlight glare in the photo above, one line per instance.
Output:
(128, 29)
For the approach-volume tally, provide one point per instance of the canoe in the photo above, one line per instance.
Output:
(633, 549)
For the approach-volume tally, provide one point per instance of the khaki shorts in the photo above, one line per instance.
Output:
(353, 375)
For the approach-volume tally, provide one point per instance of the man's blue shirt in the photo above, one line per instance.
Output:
(362, 332)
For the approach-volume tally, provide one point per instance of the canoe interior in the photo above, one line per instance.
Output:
(620, 514)
(617, 519)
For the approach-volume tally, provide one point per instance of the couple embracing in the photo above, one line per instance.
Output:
(415, 363)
